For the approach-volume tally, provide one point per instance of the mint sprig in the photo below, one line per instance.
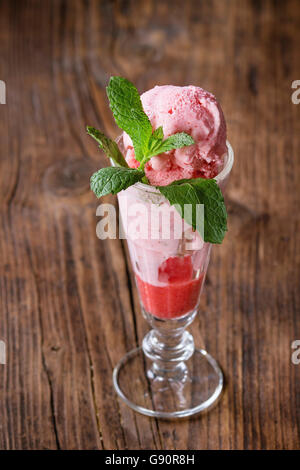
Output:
(109, 146)
(114, 179)
(200, 191)
(128, 112)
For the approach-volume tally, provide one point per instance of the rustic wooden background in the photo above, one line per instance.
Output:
(68, 305)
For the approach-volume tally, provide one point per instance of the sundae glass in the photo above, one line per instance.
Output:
(169, 168)
(167, 376)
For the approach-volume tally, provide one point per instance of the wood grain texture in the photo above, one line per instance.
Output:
(69, 308)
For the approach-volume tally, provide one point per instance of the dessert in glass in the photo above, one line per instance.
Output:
(167, 376)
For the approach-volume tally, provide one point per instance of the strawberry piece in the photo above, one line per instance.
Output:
(176, 269)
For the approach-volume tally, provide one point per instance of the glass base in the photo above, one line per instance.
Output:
(196, 389)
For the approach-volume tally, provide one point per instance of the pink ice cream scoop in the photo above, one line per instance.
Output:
(187, 109)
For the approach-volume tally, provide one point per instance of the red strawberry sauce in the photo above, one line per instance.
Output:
(178, 296)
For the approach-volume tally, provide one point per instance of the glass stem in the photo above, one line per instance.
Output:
(168, 346)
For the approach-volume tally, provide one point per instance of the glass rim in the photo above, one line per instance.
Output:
(219, 177)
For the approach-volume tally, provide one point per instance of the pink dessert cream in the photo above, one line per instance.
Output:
(169, 270)
(187, 109)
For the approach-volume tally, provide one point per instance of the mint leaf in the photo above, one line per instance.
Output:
(175, 141)
(126, 106)
(158, 133)
(200, 191)
(154, 143)
(109, 146)
(114, 179)
(157, 145)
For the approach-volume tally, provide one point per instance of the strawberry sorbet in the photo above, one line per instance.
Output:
(187, 109)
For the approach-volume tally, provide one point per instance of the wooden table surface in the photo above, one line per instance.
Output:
(69, 308)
